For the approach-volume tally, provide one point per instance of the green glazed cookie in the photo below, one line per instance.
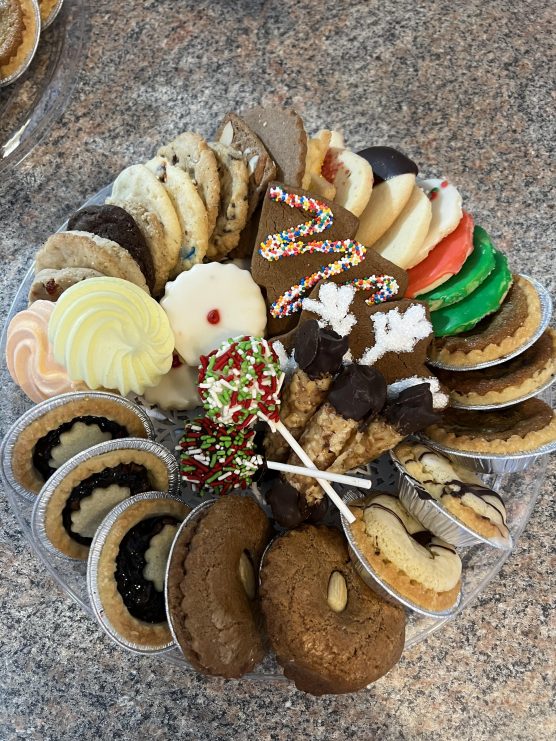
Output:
(484, 300)
(475, 270)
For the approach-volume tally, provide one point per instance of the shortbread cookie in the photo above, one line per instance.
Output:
(212, 586)
(456, 489)
(152, 230)
(59, 432)
(504, 382)
(234, 132)
(85, 491)
(403, 240)
(29, 355)
(115, 224)
(131, 568)
(49, 284)
(109, 334)
(177, 389)
(446, 213)
(86, 250)
(137, 184)
(330, 632)
(393, 183)
(422, 568)
(191, 153)
(282, 133)
(232, 213)
(190, 209)
(209, 304)
(313, 179)
(520, 428)
(497, 335)
(352, 177)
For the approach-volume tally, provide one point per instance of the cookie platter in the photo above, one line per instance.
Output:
(481, 565)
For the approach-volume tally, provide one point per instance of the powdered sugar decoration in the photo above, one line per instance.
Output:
(287, 362)
(333, 307)
(397, 332)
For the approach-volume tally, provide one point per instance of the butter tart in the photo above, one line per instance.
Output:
(499, 334)
(127, 572)
(520, 428)
(19, 34)
(505, 382)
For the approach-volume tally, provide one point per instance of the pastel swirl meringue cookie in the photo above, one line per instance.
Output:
(29, 355)
(109, 333)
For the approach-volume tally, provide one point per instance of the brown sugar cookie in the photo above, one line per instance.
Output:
(234, 132)
(131, 566)
(504, 382)
(276, 277)
(330, 632)
(282, 133)
(520, 428)
(212, 586)
(498, 334)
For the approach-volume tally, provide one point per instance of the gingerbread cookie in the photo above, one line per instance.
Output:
(190, 152)
(393, 183)
(282, 133)
(287, 270)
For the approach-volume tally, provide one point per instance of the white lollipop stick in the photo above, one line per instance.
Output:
(337, 478)
(302, 455)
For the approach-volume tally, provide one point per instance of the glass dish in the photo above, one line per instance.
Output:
(30, 105)
(481, 563)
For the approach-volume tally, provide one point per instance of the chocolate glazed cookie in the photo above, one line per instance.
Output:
(330, 632)
(211, 590)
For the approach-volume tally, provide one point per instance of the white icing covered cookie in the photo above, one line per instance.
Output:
(446, 214)
(211, 303)
(176, 390)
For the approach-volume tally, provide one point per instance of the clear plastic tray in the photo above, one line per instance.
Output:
(481, 563)
(30, 105)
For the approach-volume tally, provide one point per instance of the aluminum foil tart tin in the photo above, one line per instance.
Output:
(374, 581)
(489, 462)
(37, 411)
(546, 313)
(53, 15)
(25, 66)
(191, 517)
(485, 407)
(436, 518)
(93, 574)
(38, 515)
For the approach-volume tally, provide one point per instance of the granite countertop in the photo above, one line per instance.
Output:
(462, 88)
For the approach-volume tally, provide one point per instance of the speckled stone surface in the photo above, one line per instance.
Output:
(464, 89)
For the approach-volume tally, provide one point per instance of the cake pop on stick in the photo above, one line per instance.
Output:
(318, 353)
(220, 459)
(239, 382)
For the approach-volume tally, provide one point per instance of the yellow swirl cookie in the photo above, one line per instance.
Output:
(29, 357)
(109, 333)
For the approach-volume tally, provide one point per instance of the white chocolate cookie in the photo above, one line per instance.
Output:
(211, 303)
(190, 209)
(401, 243)
(137, 184)
(191, 153)
(446, 214)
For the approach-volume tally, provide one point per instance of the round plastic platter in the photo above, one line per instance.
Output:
(32, 103)
(481, 563)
